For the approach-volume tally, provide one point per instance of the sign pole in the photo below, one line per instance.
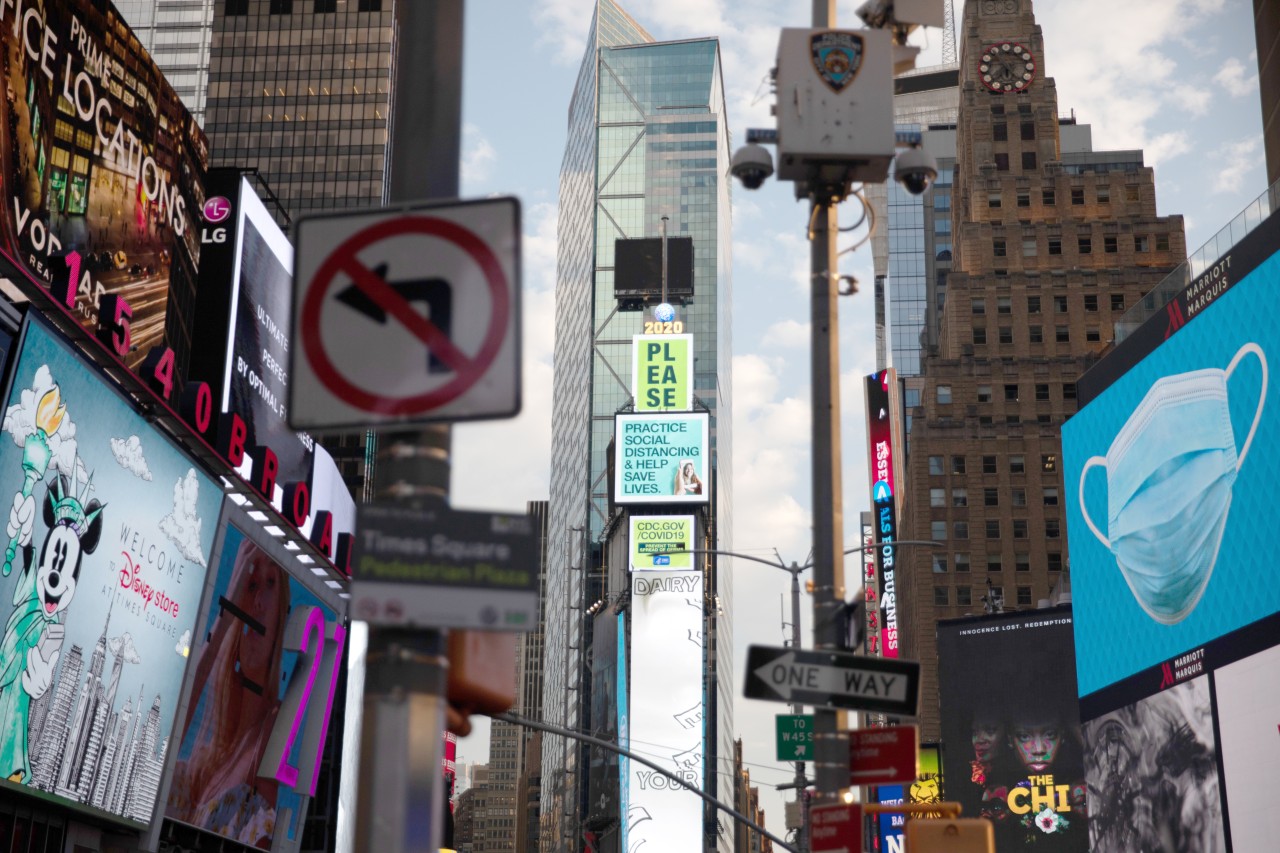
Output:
(401, 730)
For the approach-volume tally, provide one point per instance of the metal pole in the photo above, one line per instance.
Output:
(664, 257)
(398, 809)
(830, 762)
(802, 835)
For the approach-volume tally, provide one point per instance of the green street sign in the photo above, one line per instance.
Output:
(795, 737)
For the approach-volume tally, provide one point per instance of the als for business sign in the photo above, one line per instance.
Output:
(1172, 486)
(102, 575)
(883, 507)
(662, 459)
(100, 159)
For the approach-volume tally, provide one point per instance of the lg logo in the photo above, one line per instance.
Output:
(216, 209)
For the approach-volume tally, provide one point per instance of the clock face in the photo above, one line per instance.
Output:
(1006, 67)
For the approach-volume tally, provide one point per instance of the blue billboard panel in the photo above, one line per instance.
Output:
(1170, 473)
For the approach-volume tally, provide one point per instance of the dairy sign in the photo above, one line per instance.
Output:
(662, 373)
(662, 459)
(654, 536)
(102, 170)
(883, 508)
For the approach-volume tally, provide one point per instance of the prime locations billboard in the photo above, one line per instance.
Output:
(1169, 465)
(110, 535)
(666, 709)
(100, 159)
(662, 458)
(653, 536)
(1011, 728)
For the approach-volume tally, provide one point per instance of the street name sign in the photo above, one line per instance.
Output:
(884, 756)
(406, 315)
(835, 828)
(444, 568)
(833, 680)
(795, 737)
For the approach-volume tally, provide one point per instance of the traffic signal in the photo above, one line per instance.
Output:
(482, 676)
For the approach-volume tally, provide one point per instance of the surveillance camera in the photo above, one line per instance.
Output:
(752, 164)
(915, 169)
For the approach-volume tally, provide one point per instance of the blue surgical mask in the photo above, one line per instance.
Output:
(1170, 471)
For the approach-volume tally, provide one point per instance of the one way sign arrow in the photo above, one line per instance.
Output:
(833, 680)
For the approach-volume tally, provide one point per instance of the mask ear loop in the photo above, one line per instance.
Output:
(1100, 462)
(1262, 395)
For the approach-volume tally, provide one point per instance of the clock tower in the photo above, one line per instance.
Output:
(1052, 242)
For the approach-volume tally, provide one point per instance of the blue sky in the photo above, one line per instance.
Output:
(1176, 78)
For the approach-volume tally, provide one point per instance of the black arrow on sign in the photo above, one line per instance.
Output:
(435, 292)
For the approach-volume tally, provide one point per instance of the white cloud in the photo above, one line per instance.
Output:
(128, 452)
(122, 647)
(788, 334)
(1232, 77)
(478, 156)
(562, 26)
(1237, 159)
(182, 526)
(183, 646)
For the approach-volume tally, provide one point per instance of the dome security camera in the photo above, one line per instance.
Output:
(751, 164)
(915, 169)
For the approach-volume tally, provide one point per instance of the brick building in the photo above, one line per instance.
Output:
(1049, 249)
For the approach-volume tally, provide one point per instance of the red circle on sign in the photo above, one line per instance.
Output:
(344, 259)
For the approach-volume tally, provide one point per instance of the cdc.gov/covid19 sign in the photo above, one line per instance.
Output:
(655, 537)
(662, 459)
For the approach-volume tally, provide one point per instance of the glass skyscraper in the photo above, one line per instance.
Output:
(647, 139)
(177, 34)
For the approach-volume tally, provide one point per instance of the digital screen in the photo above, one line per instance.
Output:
(654, 535)
(662, 459)
(638, 268)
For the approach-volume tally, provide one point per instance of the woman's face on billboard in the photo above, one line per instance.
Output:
(1037, 745)
(259, 598)
(987, 735)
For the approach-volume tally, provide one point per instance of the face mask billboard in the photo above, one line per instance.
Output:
(662, 459)
(1170, 485)
(265, 637)
(109, 536)
(653, 535)
(666, 708)
(116, 179)
(1011, 728)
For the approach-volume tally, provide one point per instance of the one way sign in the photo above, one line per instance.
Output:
(833, 680)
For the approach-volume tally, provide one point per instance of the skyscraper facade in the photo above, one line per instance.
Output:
(1051, 243)
(177, 34)
(647, 140)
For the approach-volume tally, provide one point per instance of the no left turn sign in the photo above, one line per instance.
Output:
(406, 315)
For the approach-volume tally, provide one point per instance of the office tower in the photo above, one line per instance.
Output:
(1051, 243)
(1266, 25)
(647, 139)
(177, 34)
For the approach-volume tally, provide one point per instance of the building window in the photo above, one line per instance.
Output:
(1092, 335)
(1060, 304)
(1091, 302)
(1029, 247)
(978, 306)
(1028, 130)
(993, 199)
(993, 528)
(322, 6)
(1055, 245)
(944, 394)
(993, 563)
(960, 530)
(997, 248)
(937, 497)
(935, 466)
(939, 564)
(911, 398)
(1002, 162)
(991, 497)
(1024, 596)
(1117, 302)
(1024, 198)
(964, 596)
(1048, 463)
(1104, 195)
(1110, 245)
(1141, 243)
(1051, 497)
(1006, 334)
(1131, 194)
(1017, 464)
(1042, 392)
(988, 465)
(281, 7)
(1068, 390)
(1062, 334)
(1019, 528)
(1085, 245)
(369, 6)
(959, 497)
(1048, 197)
(957, 464)
(941, 596)
(1077, 195)
(1022, 562)
(984, 393)
(1162, 242)
(236, 7)
(1055, 561)
(1011, 392)
(1000, 132)
(1036, 333)
(1018, 497)
(980, 335)
(1052, 528)
(938, 531)
(1028, 161)
(1033, 304)
(997, 109)
(962, 562)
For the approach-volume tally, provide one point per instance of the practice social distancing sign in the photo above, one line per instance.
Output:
(406, 315)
